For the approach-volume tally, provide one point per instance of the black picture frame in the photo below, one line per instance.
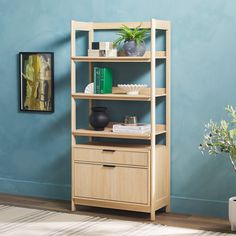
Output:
(36, 85)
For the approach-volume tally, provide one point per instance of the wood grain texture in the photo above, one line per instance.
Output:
(111, 182)
(119, 95)
(145, 58)
(107, 133)
(153, 119)
(111, 156)
(86, 26)
(73, 104)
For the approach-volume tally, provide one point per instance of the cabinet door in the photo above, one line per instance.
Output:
(108, 182)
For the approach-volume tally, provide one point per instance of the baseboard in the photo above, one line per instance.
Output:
(193, 206)
(35, 189)
(202, 207)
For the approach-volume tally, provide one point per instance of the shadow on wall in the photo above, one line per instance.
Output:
(62, 82)
(58, 42)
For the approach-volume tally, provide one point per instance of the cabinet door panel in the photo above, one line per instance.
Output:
(111, 182)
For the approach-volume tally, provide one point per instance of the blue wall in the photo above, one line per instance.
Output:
(35, 148)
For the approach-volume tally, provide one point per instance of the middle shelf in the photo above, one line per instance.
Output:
(145, 95)
(107, 133)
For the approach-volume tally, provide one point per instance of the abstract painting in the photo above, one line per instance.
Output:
(36, 81)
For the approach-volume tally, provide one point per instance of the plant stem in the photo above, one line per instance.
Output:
(232, 162)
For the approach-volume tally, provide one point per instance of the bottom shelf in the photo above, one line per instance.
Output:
(107, 133)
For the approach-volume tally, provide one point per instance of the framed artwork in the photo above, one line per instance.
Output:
(36, 81)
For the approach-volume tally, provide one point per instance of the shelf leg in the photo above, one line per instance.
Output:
(73, 207)
(167, 208)
(153, 215)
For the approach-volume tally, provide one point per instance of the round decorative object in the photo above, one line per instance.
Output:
(132, 50)
(89, 88)
(98, 118)
(132, 89)
(232, 213)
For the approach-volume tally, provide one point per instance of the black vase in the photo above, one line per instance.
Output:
(98, 118)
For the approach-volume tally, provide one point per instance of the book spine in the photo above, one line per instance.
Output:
(109, 80)
(96, 80)
(102, 81)
(130, 131)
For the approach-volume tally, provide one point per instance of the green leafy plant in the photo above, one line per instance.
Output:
(220, 138)
(127, 34)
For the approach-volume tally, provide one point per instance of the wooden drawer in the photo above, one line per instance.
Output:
(111, 155)
(118, 183)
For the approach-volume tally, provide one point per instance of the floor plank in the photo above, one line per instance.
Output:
(171, 219)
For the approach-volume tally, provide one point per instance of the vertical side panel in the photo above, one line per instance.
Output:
(162, 180)
(168, 106)
(153, 117)
(91, 39)
(73, 108)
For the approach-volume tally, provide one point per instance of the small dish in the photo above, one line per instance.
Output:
(132, 89)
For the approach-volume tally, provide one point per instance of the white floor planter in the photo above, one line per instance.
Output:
(232, 213)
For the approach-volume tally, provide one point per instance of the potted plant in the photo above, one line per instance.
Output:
(220, 138)
(132, 39)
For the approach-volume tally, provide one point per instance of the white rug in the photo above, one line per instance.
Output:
(30, 222)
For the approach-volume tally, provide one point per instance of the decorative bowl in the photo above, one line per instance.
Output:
(89, 88)
(132, 89)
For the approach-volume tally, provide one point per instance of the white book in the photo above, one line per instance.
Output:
(135, 129)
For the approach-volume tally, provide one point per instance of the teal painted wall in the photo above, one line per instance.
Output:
(35, 148)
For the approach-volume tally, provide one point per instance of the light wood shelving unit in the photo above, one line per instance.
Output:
(122, 176)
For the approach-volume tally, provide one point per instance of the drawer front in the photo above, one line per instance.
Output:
(108, 182)
(111, 155)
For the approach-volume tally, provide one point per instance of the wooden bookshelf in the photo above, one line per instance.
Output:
(137, 176)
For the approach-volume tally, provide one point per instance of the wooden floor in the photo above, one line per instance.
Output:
(171, 219)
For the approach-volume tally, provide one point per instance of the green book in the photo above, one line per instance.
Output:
(105, 80)
(102, 80)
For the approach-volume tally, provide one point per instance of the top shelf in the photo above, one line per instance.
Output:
(145, 58)
(87, 26)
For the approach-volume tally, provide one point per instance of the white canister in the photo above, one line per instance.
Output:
(232, 213)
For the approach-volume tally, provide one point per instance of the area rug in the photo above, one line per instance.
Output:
(18, 221)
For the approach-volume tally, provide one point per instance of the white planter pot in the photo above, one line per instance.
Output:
(232, 213)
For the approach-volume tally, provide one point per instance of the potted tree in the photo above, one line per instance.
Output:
(132, 39)
(220, 138)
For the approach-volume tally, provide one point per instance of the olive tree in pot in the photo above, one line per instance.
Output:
(132, 39)
(220, 138)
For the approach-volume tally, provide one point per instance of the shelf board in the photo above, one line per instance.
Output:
(118, 95)
(145, 58)
(107, 133)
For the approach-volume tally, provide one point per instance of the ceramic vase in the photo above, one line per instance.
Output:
(132, 50)
(99, 118)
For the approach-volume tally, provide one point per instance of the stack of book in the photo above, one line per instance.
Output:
(133, 129)
(102, 80)
(102, 49)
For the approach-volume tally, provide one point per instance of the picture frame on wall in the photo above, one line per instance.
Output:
(36, 81)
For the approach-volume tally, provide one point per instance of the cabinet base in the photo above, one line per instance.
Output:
(117, 205)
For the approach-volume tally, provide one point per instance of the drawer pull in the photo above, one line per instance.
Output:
(108, 151)
(109, 166)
